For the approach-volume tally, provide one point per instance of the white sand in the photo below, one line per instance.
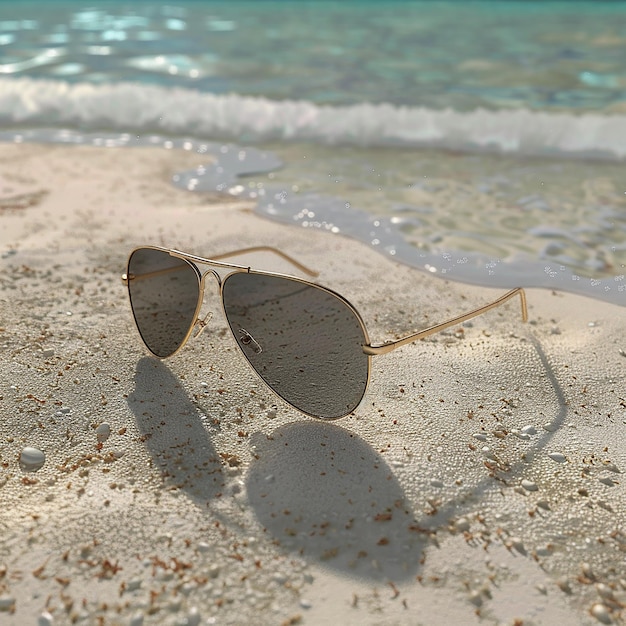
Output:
(211, 502)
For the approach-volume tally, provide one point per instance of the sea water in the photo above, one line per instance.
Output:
(478, 141)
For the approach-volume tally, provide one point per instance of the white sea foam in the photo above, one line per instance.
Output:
(134, 107)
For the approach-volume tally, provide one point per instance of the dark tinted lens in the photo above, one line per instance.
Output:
(305, 342)
(164, 292)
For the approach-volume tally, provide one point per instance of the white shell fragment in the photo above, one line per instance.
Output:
(557, 457)
(529, 485)
(32, 459)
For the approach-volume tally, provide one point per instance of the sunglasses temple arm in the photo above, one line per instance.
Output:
(280, 253)
(392, 345)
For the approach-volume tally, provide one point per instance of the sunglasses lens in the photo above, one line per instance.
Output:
(305, 342)
(164, 292)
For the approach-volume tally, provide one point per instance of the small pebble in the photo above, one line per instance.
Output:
(587, 571)
(7, 603)
(193, 617)
(486, 450)
(529, 485)
(174, 606)
(32, 459)
(271, 414)
(136, 620)
(47, 354)
(564, 586)
(599, 611)
(305, 604)
(103, 431)
(557, 457)
(549, 427)
(480, 436)
(462, 524)
(476, 598)
(529, 430)
(605, 591)
(45, 619)
(436, 483)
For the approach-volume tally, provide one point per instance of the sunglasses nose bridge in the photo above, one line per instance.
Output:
(213, 273)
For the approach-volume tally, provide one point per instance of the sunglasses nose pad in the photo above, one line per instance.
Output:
(202, 323)
(248, 340)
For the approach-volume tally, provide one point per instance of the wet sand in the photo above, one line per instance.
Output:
(480, 482)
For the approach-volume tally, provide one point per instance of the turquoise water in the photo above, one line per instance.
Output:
(538, 55)
(480, 140)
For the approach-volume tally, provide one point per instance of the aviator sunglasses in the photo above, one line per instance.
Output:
(306, 342)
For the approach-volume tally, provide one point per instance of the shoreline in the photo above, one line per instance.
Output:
(473, 218)
(481, 480)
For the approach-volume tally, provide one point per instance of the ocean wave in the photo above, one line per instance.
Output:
(139, 108)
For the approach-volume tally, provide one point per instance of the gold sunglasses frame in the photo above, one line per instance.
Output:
(368, 348)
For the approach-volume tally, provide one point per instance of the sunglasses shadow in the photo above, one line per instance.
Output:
(324, 493)
(173, 433)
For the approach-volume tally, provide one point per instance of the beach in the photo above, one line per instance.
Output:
(479, 482)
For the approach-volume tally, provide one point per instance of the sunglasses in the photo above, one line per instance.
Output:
(306, 342)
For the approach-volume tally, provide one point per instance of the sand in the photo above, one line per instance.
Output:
(480, 482)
